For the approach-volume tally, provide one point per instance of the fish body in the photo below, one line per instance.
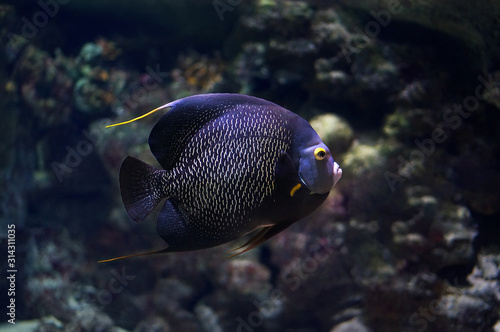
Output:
(231, 164)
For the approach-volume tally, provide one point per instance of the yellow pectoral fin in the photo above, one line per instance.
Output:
(294, 189)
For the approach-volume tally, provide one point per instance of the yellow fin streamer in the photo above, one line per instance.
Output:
(134, 255)
(140, 117)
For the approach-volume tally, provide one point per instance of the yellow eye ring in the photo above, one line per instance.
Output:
(320, 154)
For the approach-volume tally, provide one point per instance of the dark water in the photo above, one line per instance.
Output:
(406, 95)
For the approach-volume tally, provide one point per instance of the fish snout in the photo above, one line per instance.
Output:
(337, 173)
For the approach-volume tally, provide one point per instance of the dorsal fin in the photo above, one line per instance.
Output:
(139, 117)
(187, 116)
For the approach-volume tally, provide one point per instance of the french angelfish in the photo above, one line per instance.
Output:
(232, 164)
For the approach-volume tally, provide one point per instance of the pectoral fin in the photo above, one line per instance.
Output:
(262, 236)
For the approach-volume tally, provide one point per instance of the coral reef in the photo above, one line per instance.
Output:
(406, 94)
(334, 131)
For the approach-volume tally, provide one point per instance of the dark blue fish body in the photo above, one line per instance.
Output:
(232, 164)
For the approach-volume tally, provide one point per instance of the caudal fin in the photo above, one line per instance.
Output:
(141, 187)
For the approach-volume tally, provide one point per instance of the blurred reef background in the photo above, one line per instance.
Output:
(405, 93)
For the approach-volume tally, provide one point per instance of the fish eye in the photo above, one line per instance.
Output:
(319, 153)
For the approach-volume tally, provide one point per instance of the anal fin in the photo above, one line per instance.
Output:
(134, 255)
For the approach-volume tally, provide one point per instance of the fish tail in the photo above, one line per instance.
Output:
(141, 187)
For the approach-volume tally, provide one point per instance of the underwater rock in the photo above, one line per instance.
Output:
(100, 84)
(438, 235)
(299, 47)
(475, 307)
(419, 93)
(377, 69)
(46, 257)
(311, 252)
(399, 303)
(353, 325)
(284, 18)
(99, 52)
(91, 318)
(362, 158)
(171, 292)
(244, 276)
(21, 326)
(180, 319)
(196, 73)
(208, 318)
(410, 124)
(334, 131)
(46, 85)
(49, 323)
(364, 78)
(89, 82)
(89, 97)
(90, 51)
(371, 259)
(367, 193)
(328, 30)
(55, 295)
(153, 324)
(487, 269)
(337, 79)
(457, 247)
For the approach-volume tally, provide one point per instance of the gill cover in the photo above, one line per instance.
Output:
(316, 168)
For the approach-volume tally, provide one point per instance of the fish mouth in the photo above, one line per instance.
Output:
(337, 173)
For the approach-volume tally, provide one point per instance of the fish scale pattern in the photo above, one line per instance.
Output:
(227, 170)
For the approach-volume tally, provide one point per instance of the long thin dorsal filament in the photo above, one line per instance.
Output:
(138, 118)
